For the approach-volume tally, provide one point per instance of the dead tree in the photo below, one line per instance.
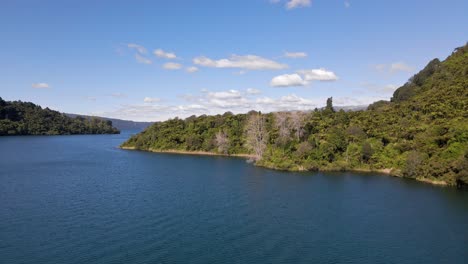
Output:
(297, 124)
(222, 141)
(256, 135)
(282, 123)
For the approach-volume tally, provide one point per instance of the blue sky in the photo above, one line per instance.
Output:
(153, 60)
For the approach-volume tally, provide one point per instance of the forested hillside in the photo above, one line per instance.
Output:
(118, 123)
(23, 118)
(421, 133)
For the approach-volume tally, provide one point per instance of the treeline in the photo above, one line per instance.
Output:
(421, 133)
(24, 118)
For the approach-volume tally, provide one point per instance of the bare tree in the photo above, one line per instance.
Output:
(297, 123)
(283, 125)
(222, 141)
(256, 134)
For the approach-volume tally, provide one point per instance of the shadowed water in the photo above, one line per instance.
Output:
(80, 199)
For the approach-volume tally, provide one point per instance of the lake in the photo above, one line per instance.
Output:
(80, 199)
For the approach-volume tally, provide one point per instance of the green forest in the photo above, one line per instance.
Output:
(24, 118)
(420, 133)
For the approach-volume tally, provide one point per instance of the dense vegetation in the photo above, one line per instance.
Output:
(120, 124)
(422, 133)
(22, 118)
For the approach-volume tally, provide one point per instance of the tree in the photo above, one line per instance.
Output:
(297, 124)
(413, 163)
(282, 125)
(432, 122)
(303, 149)
(222, 141)
(24, 118)
(366, 151)
(256, 135)
(329, 106)
(355, 133)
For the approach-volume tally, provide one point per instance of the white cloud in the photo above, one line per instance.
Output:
(191, 69)
(295, 55)
(253, 91)
(357, 101)
(241, 72)
(347, 4)
(172, 66)
(394, 67)
(286, 80)
(141, 59)
(303, 77)
(140, 49)
(247, 62)
(225, 99)
(389, 88)
(218, 102)
(40, 85)
(163, 54)
(291, 4)
(290, 102)
(400, 66)
(151, 100)
(318, 75)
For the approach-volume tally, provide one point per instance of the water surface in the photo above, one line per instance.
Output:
(80, 199)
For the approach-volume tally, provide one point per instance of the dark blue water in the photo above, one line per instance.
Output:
(79, 199)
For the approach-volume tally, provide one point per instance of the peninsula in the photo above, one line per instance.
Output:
(25, 118)
(421, 133)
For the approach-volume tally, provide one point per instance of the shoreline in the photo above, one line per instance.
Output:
(387, 171)
(187, 152)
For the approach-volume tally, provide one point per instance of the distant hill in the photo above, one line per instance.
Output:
(350, 107)
(119, 123)
(25, 118)
(421, 133)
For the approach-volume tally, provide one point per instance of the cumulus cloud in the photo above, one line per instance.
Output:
(246, 62)
(172, 66)
(218, 102)
(225, 99)
(290, 102)
(253, 91)
(389, 88)
(394, 67)
(141, 59)
(191, 69)
(286, 80)
(140, 49)
(295, 55)
(140, 53)
(318, 75)
(303, 77)
(151, 100)
(292, 4)
(163, 54)
(40, 85)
